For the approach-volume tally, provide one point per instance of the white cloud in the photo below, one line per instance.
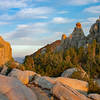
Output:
(63, 12)
(80, 2)
(42, 0)
(89, 20)
(93, 9)
(6, 4)
(29, 13)
(61, 20)
(39, 12)
(23, 31)
(4, 23)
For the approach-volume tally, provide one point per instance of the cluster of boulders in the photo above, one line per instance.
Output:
(28, 85)
(78, 39)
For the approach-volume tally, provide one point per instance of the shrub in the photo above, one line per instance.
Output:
(78, 75)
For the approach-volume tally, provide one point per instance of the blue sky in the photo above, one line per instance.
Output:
(39, 22)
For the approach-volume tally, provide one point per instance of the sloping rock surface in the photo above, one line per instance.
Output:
(74, 83)
(67, 93)
(14, 90)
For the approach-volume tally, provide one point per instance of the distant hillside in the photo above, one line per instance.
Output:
(19, 59)
(51, 46)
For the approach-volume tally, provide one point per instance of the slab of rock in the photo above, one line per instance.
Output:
(44, 82)
(79, 85)
(63, 92)
(23, 76)
(68, 72)
(94, 96)
(41, 95)
(13, 89)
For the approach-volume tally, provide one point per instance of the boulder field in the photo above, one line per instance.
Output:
(13, 87)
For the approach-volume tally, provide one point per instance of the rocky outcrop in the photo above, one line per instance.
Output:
(12, 89)
(5, 51)
(67, 93)
(94, 32)
(42, 87)
(47, 83)
(23, 76)
(78, 39)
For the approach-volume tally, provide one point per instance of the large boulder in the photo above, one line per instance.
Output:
(76, 73)
(5, 51)
(94, 96)
(23, 76)
(79, 85)
(68, 72)
(64, 92)
(44, 82)
(13, 89)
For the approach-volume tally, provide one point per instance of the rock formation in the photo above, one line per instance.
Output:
(95, 32)
(5, 51)
(78, 39)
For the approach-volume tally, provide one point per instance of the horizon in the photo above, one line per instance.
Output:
(29, 25)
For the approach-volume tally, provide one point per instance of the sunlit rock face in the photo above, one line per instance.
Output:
(78, 31)
(76, 39)
(5, 51)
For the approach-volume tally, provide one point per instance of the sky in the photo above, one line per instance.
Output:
(30, 24)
